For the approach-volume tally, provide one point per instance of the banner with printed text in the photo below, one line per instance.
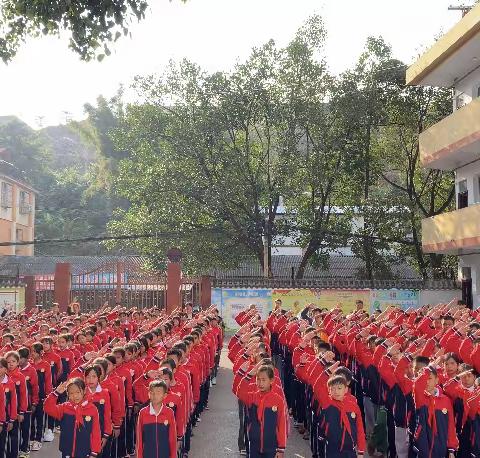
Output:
(233, 301)
(297, 299)
(403, 298)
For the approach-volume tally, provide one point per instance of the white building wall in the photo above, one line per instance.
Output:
(438, 296)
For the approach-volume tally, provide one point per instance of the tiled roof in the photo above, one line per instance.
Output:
(338, 267)
(45, 265)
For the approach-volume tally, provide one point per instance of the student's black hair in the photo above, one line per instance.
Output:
(148, 335)
(52, 331)
(78, 382)
(337, 380)
(170, 362)
(464, 367)
(24, 352)
(37, 347)
(167, 371)
(174, 351)
(95, 368)
(47, 339)
(3, 363)
(448, 317)
(158, 384)
(323, 345)
(268, 370)
(110, 357)
(421, 360)
(267, 361)
(452, 355)
(264, 355)
(130, 347)
(8, 336)
(120, 350)
(181, 346)
(13, 354)
(144, 341)
(345, 372)
(103, 362)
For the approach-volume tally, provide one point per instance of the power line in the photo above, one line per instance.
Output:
(196, 231)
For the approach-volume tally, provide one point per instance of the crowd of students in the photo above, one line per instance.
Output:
(114, 383)
(396, 383)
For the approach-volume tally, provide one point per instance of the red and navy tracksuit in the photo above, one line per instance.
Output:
(80, 435)
(267, 420)
(435, 424)
(44, 378)
(156, 433)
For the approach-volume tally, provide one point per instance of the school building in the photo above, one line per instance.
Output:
(454, 144)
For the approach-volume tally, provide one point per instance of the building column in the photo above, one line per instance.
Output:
(63, 283)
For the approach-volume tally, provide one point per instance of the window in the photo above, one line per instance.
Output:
(460, 101)
(6, 195)
(24, 203)
(462, 194)
(19, 235)
(478, 91)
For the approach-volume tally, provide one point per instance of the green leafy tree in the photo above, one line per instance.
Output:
(93, 25)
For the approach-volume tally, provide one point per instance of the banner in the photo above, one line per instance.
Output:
(12, 299)
(233, 301)
(297, 299)
(403, 298)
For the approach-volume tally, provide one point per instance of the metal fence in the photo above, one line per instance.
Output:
(124, 283)
(44, 290)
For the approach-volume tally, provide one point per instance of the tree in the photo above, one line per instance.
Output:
(426, 192)
(364, 94)
(315, 144)
(92, 25)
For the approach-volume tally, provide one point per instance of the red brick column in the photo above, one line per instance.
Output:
(205, 292)
(63, 282)
(29, 292)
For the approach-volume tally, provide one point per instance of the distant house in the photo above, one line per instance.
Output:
(17, 209)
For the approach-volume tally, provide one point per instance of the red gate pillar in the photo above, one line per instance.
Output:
(63, 281)
(29, 292)
(205, 292)
(118, 294)
(174, 279)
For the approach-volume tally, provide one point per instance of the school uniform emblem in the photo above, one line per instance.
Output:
(171, 404)
(67, 359)
(17, 383)
(88, 418)
(42, 370)
(353, 415)
(165, 422)
(274, 408)
(102, 401)
(444, 411)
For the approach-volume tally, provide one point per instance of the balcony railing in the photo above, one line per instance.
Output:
(454, 141)
(453, 232)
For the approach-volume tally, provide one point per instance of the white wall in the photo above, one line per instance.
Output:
(469, 86)
(438, 296)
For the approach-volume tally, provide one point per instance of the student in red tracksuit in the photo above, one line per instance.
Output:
(267, 415)
(11, 407)
(31, 379)
(14, 373)
(435, 430)
(101, 398)
(56, 369)
(80, 435)
(156, 427)
(341, 423)
(44, 377)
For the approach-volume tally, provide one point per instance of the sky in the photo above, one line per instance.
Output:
(46, 80)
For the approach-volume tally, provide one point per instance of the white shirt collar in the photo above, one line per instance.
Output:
(5, 378)
(152, 410)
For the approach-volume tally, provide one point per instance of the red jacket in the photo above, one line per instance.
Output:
(31, 379)
(157, 432)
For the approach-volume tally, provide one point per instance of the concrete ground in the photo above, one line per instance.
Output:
(216, 434)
